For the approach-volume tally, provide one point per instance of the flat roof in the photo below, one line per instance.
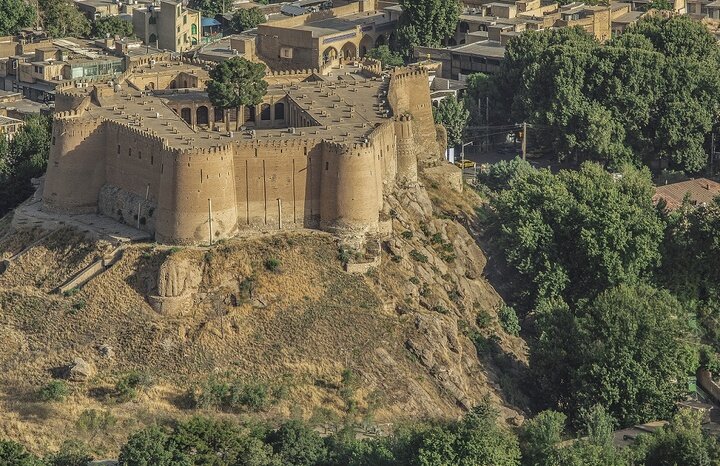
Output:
(629, 17)
(484, 48)
(343, 23)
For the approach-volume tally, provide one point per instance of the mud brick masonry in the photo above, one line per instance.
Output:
(319, 152)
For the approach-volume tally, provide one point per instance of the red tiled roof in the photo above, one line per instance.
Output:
(701, 191)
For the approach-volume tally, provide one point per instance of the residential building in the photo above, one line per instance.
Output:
(169, 25)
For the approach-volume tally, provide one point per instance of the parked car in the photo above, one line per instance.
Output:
(465, 164)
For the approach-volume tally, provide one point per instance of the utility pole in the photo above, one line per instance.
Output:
(279, 214)
(524, 140)
(487, 123)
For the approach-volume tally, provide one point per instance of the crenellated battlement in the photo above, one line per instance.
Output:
(341, 151)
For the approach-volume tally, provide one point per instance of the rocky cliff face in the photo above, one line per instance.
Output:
(418, 331)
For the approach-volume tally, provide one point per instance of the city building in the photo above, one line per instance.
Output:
(169, 25)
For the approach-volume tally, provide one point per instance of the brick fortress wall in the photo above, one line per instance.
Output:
(126, 173)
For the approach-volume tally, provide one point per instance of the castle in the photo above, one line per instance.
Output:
(319, 152)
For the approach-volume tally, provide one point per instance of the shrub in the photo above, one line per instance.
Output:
(127, 388)
(407, 234)
(418, 256)
(56, 390)
(71, 453)
(273, 265)
(343, 256)
(509, 320)
(483, 319)
(94, 421)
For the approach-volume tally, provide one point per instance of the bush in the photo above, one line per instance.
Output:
(407, 234)
(126, 388)
(56, 390)
(93, 421)
(273, 265)
(483, 319)
(418, 256)
(71, 453)
(509, 320)
(234, 396)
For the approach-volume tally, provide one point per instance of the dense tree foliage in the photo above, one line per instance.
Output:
(112, 26)
(386, 56)
(61, 18)
(427, 23)
(626, 350)
(475, 440)
(452, 114)
(652, 93)
(15, 15)
(576, 233)
(23, 159)
(247, 18)
(211, 8)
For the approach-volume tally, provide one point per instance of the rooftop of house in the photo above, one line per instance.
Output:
(700, 191)
(329, 26)
(485, 48)
(629, 18)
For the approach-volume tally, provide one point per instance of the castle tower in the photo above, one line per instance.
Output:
(350, 192)
(197, 196)
(76, 165)
(407, 170)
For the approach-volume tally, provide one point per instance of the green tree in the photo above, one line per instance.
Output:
(237, 82)
(71, 453)
(387, 57)
(14, 454)
(112, 26)
(574, 234)
(627, 351)
(211, 8)
(26, 158)
(216, 443)
(151, 447)
(427, 22)
(15, 15)
(61, 18)
(681, 442)
(297, 445)
(616, 102)
(453, 115)
(539, 439)
(247, 18)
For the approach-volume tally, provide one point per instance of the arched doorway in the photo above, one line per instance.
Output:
(186, 114)
(202, 116)
(381, 40)
(329, 54)
(348, 50)
(265, 112)
(279, 111)
(219, 114)
(249, 114)
(153, 38)
(366, 44)
(464, 27)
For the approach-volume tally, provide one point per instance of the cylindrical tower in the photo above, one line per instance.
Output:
(76, 165)
(350, 194)
(197, 199)
(407, 171)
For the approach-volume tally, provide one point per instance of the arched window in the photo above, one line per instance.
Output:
(265, 112)
(193, 29)
(279, 111)
(153, 39)
(186, 114)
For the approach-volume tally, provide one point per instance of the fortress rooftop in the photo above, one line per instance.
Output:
(343, 106)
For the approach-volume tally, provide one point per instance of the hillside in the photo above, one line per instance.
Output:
(395, 343)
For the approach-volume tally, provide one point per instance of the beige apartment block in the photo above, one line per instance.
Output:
(169, 26)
